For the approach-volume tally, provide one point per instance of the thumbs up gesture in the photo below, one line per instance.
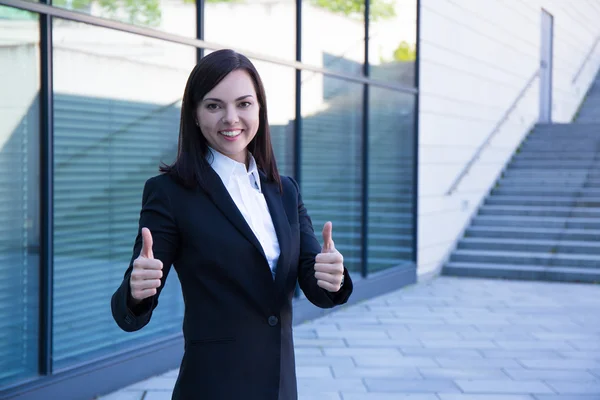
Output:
(147, 272)
(329, 264)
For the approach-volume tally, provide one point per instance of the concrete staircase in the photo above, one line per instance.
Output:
(542, 219)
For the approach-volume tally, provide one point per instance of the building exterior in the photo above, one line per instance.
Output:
(487, 69)
(396, 139)
(90, 106)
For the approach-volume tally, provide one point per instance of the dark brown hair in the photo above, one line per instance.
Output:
(191, 166)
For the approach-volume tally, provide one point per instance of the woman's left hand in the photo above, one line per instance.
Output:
(329, 264)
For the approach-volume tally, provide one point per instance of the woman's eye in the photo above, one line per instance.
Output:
(245, 104)
(212, 106)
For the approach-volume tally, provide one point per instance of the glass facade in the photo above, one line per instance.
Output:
(344, 131)
(19, 194)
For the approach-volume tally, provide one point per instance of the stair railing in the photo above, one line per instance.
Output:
(493, 133)
(587, 58)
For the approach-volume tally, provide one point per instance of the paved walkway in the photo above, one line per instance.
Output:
(448, 339)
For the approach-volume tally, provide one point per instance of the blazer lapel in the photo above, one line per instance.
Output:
(220, 196)
(282, 229)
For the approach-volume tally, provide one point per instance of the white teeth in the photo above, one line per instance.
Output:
(230, 133)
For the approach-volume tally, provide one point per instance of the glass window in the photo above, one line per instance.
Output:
(264, 26)
(173, 16)
(280, 87)
(19, 195)
(331, 179)
(333, 35)
(393, 40)
(117, 111)
(391, 167)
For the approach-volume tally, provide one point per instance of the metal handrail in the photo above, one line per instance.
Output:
(494, 131)
(585, 60)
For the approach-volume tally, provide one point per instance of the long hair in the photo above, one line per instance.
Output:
(190, 166)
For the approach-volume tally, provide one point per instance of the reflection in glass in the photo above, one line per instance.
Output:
(19, 195)
(392, 41)
(117, 110)
(279, 85)
(390, 216)
(173, 16)
(333, 35)
(265, 27)
(331, 160)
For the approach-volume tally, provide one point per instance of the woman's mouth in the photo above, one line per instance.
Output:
(231, 134)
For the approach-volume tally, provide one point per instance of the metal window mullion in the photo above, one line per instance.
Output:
(297, 173)
(415, 194)
(46, 196)
(199, 27)
(365, 152)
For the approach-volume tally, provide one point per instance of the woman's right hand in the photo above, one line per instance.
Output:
(147, 271)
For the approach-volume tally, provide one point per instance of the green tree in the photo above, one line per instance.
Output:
(379, 9)
(405, 52)
(137, 12)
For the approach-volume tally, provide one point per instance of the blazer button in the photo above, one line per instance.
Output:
(273, 320)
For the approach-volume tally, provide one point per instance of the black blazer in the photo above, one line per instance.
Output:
(238, 321)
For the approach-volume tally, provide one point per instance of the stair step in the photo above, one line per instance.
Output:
(559, 201)
(538, 222)
(532, 245)
(526, 258)
(534, 155)
(549, 182)
(558, 191)
(539, 211)
(539, 173)
(558, 164)
(522, 272)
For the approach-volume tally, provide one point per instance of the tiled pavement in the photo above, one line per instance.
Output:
(447, 339)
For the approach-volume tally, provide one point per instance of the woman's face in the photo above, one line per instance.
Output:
(228, 115)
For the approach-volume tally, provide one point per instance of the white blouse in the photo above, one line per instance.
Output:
(245, 190)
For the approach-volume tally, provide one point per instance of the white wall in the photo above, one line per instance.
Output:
(476, 56)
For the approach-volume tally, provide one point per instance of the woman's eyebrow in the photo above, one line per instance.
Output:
(220, 101)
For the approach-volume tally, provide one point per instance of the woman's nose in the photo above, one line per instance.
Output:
(231, 116)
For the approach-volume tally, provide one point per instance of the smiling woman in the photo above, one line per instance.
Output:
(239, 237)
(229, 115)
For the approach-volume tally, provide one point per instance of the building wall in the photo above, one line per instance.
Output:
(475, 58)
(115, 116)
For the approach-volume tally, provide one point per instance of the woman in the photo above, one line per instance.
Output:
(239, 238)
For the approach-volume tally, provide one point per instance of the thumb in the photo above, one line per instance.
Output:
(327, 239)
(146, 244)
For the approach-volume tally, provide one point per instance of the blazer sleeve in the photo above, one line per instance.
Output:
(156, 215)
(309, 248)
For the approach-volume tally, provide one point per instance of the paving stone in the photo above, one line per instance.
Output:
(528, 354)
(367, 361)
(565, 397)
(158, 395)
(436, 352)
(483, 396)
(411, 386)
(156, 383)
(377, 372)
(363, 351)
(462, 373)
(305, 371)
(319, 396)
(390, 342)
(575, 387)
(123, 395)
(388, 396)
(503, 386)
(550, 375)
(560, 364)
(329, 385)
